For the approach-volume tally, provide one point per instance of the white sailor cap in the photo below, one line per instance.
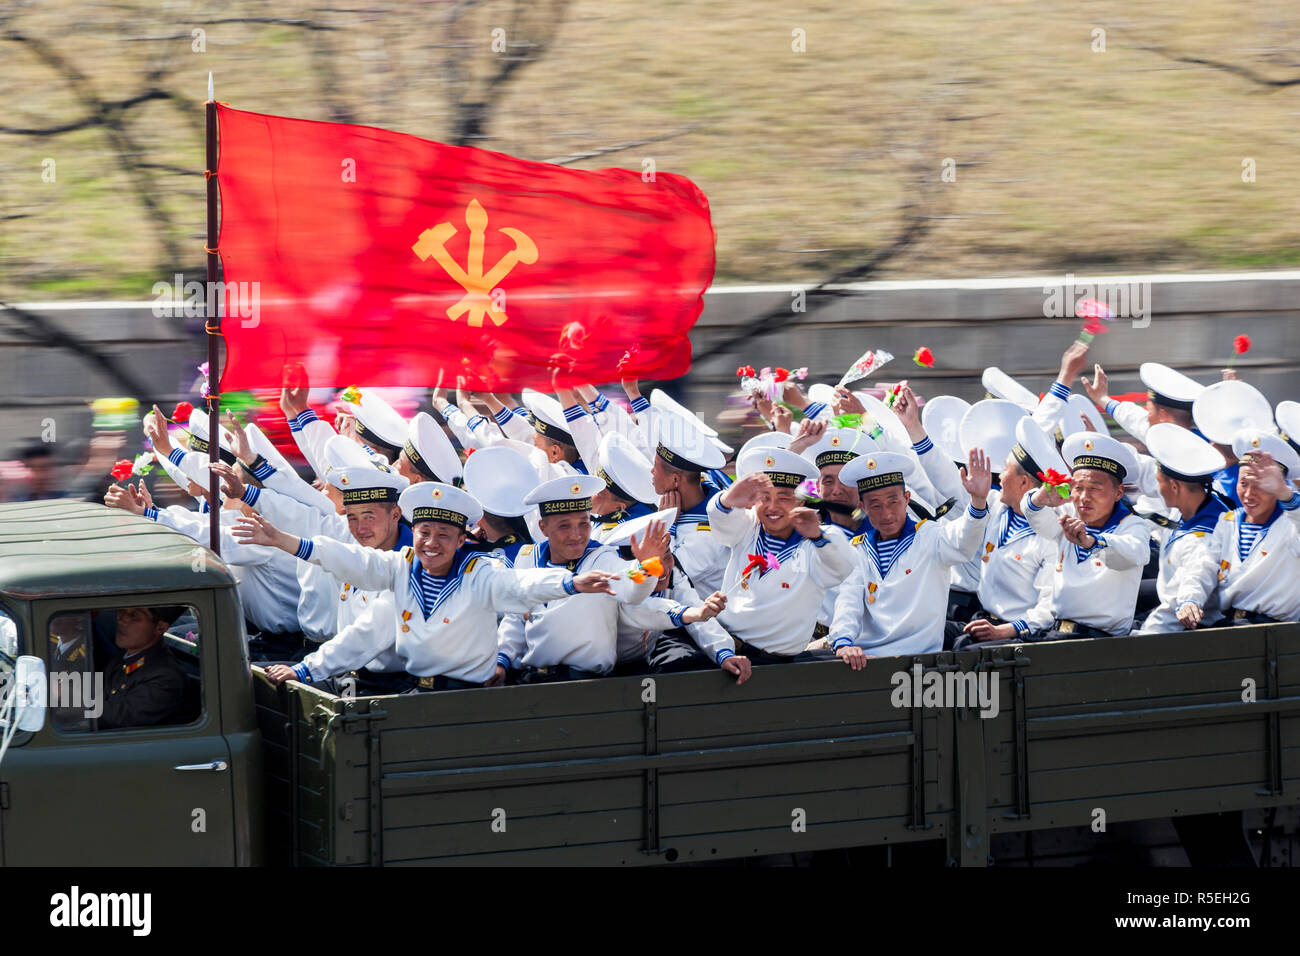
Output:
(266, 448)
(365, 484)
(999, 384)
(761, 440)
(625, 471)
(547, 416)
(941, 418)
(839, 446)
(883, 425)
(1079, 409)
(567, 494)
(1182, 454)
(198, 429)
(622, 534)
(782, 466)
(500, 478)
(1288, 423)
(681, 444)
(430, 451)
(1102, 453)
(990, 426)
(435, 501)
(1168, 387)
(378, 424)
(720, 445)
(1252, 440)
(821, 392)
(666, 403)
(341, 452)
(1034, 451)
(1226, 408)
(880, 469)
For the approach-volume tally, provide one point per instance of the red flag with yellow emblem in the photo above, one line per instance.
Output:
(380, 258)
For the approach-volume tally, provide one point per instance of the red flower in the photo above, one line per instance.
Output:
(746, 371)
(1092, 309)
(780, 375)
(182, 413)
(468, 452)
(1054, 477)
(924, 357)
(122, 470)
(1241, 344)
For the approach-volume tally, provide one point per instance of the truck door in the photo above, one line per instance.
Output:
(131, 767)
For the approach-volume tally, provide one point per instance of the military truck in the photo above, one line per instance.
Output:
(973, 753)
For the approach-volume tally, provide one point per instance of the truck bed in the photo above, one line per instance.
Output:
(803, 757)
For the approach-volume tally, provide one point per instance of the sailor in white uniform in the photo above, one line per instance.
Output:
(551, 427)
(1222, 412)
(649, 633)
(1258, 544)
(427, 454)
(1101, 545)
(629, 492)
(780, 560)
(1187, 465)
(371, 518)
(573, 638)
(446, 597)
(682, 456)
(895, 599)
(1014, 588)
(500, 478)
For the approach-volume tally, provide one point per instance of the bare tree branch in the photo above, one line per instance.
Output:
(1246, 73)
(619, 147)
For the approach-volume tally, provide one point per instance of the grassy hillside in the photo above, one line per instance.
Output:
(1065, 158)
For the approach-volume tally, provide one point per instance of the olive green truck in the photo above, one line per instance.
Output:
(963, 749)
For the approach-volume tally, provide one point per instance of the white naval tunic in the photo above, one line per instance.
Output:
(1188, 561)
(1097, 587)
(641, 625)
(1258, 567)
(697, 550)
(896, 599)
(268, 583)
(1015, 562)
(580, 631)
(458, 635)
(329, 603)
(778, 610)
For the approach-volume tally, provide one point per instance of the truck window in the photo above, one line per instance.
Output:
(124, 667)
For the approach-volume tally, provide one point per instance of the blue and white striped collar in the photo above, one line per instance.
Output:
(1204, 520)
(543, 554)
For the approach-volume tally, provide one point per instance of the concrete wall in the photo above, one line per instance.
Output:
(968, 324)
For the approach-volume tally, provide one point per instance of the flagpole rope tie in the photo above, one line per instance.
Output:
(210, 250)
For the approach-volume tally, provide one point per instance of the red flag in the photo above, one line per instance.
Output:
(386, 259)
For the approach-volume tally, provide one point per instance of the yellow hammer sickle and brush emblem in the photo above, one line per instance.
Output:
(477, 301)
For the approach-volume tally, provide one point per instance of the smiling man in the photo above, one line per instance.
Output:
(1101, 545)
(574, 637)
(780, 560)
(446, 596)
(896, 598)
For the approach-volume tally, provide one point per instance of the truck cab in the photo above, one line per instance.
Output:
(170, 771)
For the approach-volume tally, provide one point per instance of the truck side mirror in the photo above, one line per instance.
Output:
(29, 688)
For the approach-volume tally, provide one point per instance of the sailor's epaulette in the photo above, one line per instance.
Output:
(1227, 516)
(609, 526)
(526, 549)
(856, 539)
(703, 526)
(921, 522)
(470, 566)
(409, 553)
